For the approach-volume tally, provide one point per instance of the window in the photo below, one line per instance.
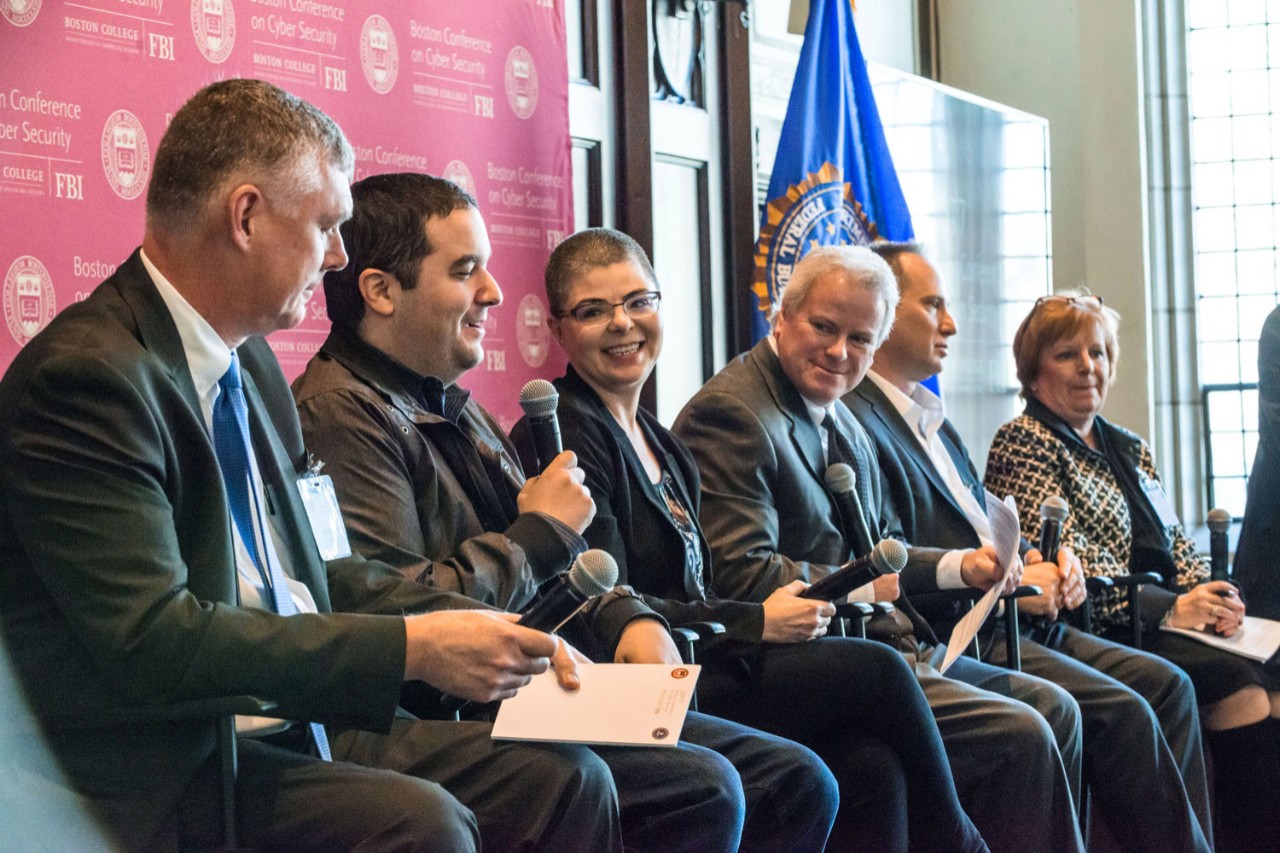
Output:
(1233, 68)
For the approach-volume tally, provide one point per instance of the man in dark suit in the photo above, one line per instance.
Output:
(1256, 560)
(429, 481)
(1143, 791)
(143, 566)
(763, 431)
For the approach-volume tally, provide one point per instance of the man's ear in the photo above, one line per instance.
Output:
(376, 287)
(244, 205)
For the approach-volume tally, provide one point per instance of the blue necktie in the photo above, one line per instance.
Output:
(231, 444)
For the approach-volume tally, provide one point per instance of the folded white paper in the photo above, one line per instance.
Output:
(618, 704)
(1257, 638)
(1005, 535)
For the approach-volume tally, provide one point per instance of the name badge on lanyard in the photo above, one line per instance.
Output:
(1159, 500)
(321, 503)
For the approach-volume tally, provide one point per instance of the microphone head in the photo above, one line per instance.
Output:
(594, 573)
(889, 555)
(539, 398)
(840, 478)
(1218, 520)
(1054, 509)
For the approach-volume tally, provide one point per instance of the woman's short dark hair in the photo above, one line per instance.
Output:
(587, 250)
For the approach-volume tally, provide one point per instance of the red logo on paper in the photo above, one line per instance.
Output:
(378, 55)
(521, 82)
(680, 672)
(126, 157)
(213, 23)
(20, 12)
(28, 298)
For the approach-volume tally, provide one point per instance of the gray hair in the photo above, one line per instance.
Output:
(236, 128)
(858, 265)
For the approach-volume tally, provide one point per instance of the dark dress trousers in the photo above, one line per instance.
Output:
(1257, 562)
(428, 481)
(1143, 758)
(769, 519)
(119, 588)
(890, 765)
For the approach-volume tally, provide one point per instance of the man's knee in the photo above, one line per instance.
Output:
(411, 814)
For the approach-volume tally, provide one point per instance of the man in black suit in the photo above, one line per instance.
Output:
(430, 483)
(144, 567)
(1255, 564)
(763, 431)
(1144, 792)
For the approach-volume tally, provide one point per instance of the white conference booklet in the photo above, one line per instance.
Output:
(627, 704)
(1257, 638)
(1005, 534)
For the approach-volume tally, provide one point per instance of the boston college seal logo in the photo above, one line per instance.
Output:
(126, 157)
(458, 172)
(20, 12)
(28, 298)
(818, 211)
(531, 331)
(521, 82)
(378, 55)
(213, 23)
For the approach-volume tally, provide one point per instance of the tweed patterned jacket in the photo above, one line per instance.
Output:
(1032, 462)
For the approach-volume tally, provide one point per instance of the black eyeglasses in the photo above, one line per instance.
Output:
(1089, 301)
(593, 312)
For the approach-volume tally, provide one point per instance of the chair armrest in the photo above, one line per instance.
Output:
(190, 709)
(1098, 583)
(1137, 579)
(705, 630)
(687, 635)
(858, 613)
(884, 608)
(1026, 590)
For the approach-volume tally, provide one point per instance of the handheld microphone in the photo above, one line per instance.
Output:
(539, 398)
(593, 573)
(842, 482)
(1053, 512)
(1219, 521)
(889, 556)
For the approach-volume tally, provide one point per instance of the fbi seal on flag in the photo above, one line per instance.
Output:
(28, 298)
(818, 211)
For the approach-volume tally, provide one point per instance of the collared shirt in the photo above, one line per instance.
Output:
(923, 412)
(817, 413)
(208, 359)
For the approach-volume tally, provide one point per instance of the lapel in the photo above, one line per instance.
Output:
(960, 458)
(909, 450)
(156, 329)
(803, 431)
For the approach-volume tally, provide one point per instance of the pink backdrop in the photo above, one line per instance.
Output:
(475, 90)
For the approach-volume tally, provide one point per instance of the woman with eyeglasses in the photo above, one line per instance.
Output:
(854, 702)
(1122, 521)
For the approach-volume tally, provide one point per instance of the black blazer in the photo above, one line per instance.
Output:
(118, 583)
(1255, 559)
(631, 522)
(926, 508)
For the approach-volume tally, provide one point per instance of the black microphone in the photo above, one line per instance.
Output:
(888, 557)
(1219, 521)
(539, 398)
(1053, 512)
(593, 573)
(842, 482)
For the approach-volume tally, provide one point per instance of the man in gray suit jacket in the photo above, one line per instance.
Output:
(1136, 758)
(762, 431)
(125, 582)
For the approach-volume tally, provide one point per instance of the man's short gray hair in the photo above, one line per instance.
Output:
(239, 128)
(859, 265)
